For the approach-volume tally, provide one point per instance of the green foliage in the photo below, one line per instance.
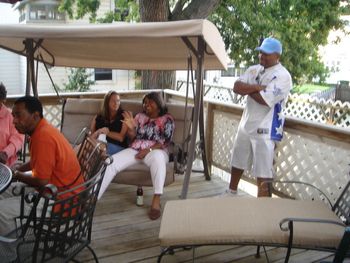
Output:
(78, 80)
(126, 10)
(300, 25)
(309, 88)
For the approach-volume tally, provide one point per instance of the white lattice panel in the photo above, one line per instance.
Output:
(224, 130)
(317, 160)
(300, 106)
(300, 156)
(53, 113)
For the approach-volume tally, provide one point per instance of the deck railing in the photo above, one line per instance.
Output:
(310, 151)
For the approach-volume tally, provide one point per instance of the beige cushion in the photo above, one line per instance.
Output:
(78, 114)
(233, 220)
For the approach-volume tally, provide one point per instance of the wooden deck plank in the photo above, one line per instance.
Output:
(122, 232)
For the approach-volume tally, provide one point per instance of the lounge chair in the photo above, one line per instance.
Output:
(275, 222)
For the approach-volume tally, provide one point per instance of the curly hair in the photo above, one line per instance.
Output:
(3, 91)
(157, 98)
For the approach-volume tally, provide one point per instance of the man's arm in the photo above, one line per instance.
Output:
(258, 98)
(253, 90)
(29, 180)
(15, 143)
(242, 88)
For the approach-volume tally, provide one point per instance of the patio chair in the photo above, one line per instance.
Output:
(91, 155)
(58, 226)
(275, 222)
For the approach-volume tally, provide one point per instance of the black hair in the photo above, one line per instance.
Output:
(157, 98)
(32, 104)
(3, 91)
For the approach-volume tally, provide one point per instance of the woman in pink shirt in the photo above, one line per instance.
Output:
(10, 140)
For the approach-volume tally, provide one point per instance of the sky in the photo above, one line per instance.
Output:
(7, 15)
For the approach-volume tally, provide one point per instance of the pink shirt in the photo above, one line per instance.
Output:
(10, 140)
(151, 131)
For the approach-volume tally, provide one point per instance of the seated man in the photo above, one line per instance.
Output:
(52, 159)
(10, 140)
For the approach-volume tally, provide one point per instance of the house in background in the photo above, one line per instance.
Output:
(336, 56)
(13, 67)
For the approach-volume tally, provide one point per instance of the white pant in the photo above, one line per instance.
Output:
(156, 160)
(253, 154)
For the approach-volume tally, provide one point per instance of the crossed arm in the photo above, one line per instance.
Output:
(252, 90)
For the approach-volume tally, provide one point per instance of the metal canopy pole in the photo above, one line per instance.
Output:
(31, 79)
(198, 108)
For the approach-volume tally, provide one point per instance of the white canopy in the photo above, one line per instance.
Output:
(154, 45)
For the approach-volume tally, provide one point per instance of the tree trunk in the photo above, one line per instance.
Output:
(159, 11)
(156, 11)
(155, 79)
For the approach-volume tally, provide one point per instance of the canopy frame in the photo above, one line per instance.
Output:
(188, 37)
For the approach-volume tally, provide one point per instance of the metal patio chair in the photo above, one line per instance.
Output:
(59, 224)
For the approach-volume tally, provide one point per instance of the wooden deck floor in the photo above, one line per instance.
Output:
(122, 231)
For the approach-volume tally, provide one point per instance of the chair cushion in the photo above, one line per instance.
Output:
(246, 221)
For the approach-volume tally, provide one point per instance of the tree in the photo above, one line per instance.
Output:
(149, 11)
(78, 80)
(301, 26)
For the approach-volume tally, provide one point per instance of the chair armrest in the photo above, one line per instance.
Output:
(82, 134)
(285, 222)
(7, 240)
(306, 184)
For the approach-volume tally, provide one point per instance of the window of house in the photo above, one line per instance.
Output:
(103, 74)
(230, 72)
(45, 12)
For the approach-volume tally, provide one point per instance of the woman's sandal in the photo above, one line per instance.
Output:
(154, 214)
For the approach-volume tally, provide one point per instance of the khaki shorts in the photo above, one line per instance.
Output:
(253, 154)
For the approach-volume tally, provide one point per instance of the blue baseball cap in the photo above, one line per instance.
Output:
(270, 45)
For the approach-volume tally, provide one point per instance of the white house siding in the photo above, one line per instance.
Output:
(10, 73)
(337, 56)
(58, 74)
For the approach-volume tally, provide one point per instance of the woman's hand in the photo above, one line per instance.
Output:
(97, 133)
(129, 120)
(142, 154)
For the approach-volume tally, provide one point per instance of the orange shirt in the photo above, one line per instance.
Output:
(52, 157)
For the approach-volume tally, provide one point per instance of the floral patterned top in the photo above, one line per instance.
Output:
(151, 131)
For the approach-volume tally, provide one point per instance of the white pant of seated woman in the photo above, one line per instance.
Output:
(156, 160)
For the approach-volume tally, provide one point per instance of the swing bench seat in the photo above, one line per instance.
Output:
(78, 114)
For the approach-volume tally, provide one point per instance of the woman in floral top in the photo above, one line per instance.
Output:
(151, 132)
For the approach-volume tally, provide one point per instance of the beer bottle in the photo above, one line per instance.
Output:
(139, 196)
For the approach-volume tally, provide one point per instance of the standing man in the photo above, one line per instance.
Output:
(267, 86)
(52, 159)
(10, 140)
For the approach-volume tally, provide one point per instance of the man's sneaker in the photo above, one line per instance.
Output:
(232, 193)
